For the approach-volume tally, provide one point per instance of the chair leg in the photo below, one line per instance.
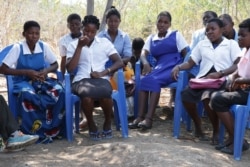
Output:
(69, 125)
(116, 116)
(121, 106)
(241, 117)
(177, 119)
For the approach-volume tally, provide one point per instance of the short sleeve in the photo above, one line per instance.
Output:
(71, 49)
(62, 47)
(195, 54)
(127, 48)
(181, 42)
(50, 57)
(11, 58)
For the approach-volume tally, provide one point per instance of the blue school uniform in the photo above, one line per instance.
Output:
(41, 103)
(167, 56)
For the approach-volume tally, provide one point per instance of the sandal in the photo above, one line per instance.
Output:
(229, 149)
(96, 136)
(146, 124)
(135, 123)
(227, 143)
(215, 141)
(221, 146)
(107, 134)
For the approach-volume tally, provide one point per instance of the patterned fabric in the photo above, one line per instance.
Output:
(41, 103)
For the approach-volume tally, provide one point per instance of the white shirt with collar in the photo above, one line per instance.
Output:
(64, 42)
(92, 58)
(222, 57)
(11, 58)
(180, 40)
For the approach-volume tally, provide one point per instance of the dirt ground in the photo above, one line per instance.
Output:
(152, 148)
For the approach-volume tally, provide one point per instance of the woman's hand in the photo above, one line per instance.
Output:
(175, 72)
(236, 84)
(83, 41)
(36, 75)
(146, 69)
(96, 74)
(213, 75)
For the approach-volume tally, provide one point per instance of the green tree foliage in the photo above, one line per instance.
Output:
(138, 16)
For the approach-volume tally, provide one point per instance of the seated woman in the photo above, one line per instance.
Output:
(89, 55)
(168, 48)
(40, 98)
(12, 139)
(238, 90)
(217, 57)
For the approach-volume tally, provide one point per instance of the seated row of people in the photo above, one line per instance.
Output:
(42, 98)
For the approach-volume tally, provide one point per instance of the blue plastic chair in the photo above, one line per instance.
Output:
(12, 99)
(180, 112)
(241, 116)
(118, 97)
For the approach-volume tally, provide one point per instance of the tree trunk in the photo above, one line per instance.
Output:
(90, 7)
(103, 23)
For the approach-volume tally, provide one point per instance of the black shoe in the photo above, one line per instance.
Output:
(221, 146)
(144, 124)
(133, 125)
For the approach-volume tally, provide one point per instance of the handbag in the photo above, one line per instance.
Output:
(206, 83)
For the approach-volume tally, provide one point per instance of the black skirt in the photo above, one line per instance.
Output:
(94, 88)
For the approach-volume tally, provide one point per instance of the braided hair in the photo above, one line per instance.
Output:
(91, 19)
(113, 11)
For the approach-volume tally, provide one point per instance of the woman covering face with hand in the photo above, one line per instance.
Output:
(89, 55)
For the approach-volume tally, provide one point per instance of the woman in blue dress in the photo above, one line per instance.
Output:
(40, 98)
(168, 48)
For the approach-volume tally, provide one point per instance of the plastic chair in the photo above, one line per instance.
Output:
(12, 99)
(179, 111)
(118, 97)
(241, 116)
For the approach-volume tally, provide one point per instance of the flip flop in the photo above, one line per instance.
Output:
(95, 136)
(107, 134)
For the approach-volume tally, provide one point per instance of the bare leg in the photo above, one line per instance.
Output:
(83, 124)
(213, 119)
(154, 98)
(148, 121)
(143, 104)
(107, 105)
(192, 111)
(228, 121)
(88, 111)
